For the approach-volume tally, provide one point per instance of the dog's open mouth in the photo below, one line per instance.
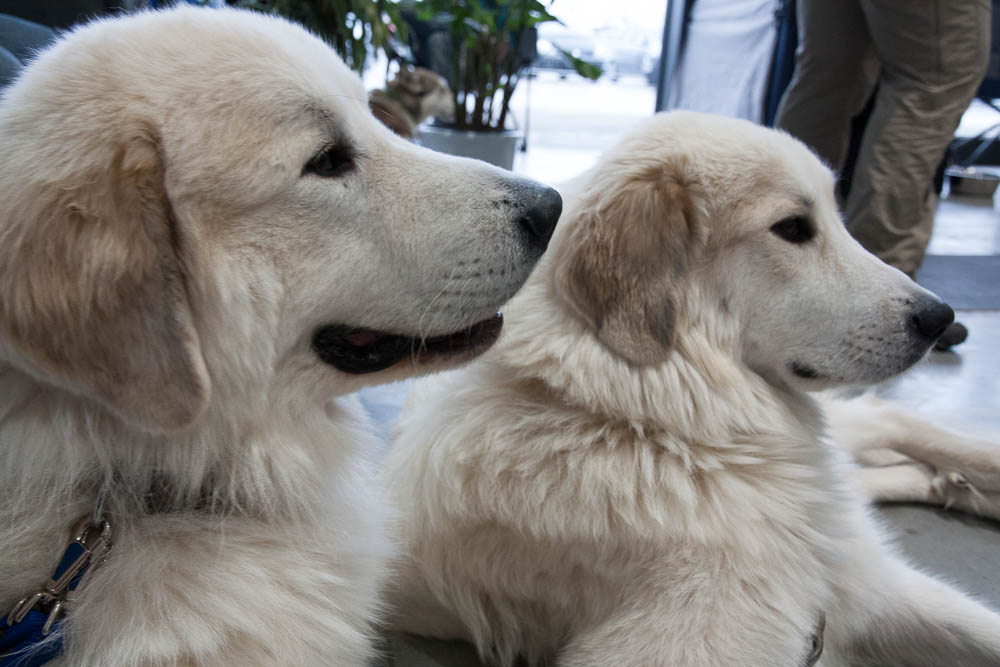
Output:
(355, 350)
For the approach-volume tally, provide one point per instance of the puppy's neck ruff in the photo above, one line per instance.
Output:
(701, 390)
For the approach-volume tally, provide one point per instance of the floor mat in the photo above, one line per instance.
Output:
(966, 282)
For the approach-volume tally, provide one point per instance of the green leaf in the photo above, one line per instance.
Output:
(426, 12)
(541, 13)
(582, 67)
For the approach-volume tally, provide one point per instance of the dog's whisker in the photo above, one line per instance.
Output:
(421, 331)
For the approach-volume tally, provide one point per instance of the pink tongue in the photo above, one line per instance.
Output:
(361, 338)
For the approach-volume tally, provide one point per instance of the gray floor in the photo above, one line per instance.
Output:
(960, 388)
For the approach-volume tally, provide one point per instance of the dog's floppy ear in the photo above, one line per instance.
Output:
(92, 289)
(621, 266)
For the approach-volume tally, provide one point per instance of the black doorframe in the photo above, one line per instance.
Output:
(674, 34)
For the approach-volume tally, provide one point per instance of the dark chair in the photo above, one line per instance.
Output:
(969, 151)
(9, 66)
(19, 41)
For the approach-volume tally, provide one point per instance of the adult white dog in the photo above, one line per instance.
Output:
(637, 475)
(206, 243)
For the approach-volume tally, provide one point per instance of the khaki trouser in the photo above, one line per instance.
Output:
(929, 57)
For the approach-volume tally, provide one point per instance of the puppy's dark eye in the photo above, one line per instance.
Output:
(795, 230)
(331, 162)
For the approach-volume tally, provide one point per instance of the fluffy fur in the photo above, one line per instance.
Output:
(166, 254)
(636, 474)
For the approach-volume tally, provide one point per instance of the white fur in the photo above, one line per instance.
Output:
(272, 545)
(561, 501)
(905, 458)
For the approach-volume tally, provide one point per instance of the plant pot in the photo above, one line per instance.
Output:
(493, 147)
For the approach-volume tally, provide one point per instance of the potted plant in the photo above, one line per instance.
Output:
(353, 28)
(484, 48)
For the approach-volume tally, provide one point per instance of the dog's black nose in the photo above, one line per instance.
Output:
(541, 209)
(933, 317)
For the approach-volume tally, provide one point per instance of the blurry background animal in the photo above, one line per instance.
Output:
(411, 96)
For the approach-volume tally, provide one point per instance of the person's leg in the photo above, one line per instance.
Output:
(934, 55)
(835, 70)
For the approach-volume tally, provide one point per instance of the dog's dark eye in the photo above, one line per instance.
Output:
(331, 162)
(795, 230)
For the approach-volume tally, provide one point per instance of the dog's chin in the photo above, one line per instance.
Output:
(362, 351)
(806, 377)
(814, 377)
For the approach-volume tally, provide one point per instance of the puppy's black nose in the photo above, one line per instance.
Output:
(541, 209)
(933, 317)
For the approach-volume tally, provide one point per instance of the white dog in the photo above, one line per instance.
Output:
(206, 243)
(637, 475)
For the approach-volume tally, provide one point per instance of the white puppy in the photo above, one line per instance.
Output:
(206, 243)
(637, 476)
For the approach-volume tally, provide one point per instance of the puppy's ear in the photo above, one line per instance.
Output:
(92, 289)
(622, 265)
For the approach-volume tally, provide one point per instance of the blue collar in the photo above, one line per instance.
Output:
(31, 635)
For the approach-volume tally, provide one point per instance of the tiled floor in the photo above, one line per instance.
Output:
(965, 226)
(960, 388)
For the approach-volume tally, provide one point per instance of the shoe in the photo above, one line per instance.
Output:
(955, 334)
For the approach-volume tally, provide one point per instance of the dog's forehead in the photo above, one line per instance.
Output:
(275, 57)
(776, 165)
(216, 59)
(246, 55)
(752, 173)
(803, 172)
(269, 76)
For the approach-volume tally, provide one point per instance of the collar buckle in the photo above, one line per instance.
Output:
(87, 549)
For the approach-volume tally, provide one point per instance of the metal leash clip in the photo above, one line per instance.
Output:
(88, 548)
